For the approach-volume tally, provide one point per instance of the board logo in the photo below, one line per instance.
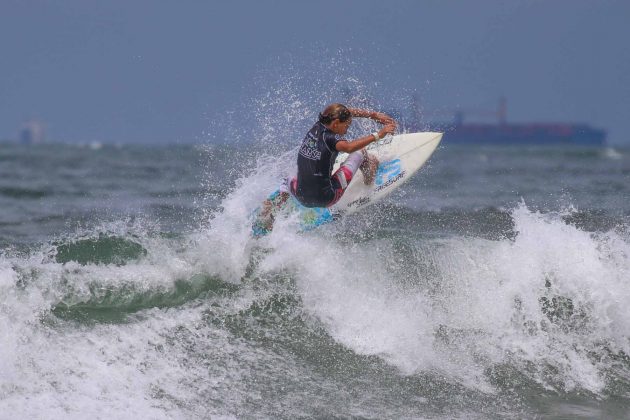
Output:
(359, 202)
(387, 170)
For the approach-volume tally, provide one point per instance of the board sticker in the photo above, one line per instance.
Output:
(387, 170)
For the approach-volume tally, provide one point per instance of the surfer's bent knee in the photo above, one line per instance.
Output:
(353, 161)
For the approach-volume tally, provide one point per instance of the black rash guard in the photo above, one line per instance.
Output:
(315, 163)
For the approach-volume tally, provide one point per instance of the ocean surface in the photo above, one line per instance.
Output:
(494, 284)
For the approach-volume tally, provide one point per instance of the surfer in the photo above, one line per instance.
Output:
(315, 184)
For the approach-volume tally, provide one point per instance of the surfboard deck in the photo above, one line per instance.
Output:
(400, 157)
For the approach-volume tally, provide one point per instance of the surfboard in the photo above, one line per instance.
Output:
(400, 157)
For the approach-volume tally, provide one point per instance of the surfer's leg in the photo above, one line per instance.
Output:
(369, 167)
(342, 177)
(348, 168)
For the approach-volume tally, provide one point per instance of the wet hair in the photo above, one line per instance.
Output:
(334, 112)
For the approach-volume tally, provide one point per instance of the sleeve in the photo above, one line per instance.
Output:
(331, 140)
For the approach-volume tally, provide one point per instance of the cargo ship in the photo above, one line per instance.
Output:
(458, 131)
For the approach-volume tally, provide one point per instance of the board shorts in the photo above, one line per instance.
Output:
(339, 181)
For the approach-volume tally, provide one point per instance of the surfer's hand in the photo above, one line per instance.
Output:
(383, 118)
(387, 129)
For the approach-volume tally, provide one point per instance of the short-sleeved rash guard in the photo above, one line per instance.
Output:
(315, 163)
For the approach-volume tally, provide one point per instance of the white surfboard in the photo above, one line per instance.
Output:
(400, 157)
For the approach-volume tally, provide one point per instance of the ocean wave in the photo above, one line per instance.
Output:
(541, 294)
(103, 249)
(114, 304)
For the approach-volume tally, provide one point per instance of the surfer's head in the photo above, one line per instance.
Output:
(337, 118)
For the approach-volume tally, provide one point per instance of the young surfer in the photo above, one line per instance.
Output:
(315, 184)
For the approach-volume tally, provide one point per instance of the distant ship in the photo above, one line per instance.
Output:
(503, 133)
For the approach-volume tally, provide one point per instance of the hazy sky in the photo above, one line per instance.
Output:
(170, 71)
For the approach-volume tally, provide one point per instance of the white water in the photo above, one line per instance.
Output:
(485, 300)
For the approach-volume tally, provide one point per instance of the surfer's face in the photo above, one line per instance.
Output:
(339, 127)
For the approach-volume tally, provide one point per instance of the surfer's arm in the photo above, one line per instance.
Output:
(358, 144)
(376, 116)
(389, 127)
(354, 145)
